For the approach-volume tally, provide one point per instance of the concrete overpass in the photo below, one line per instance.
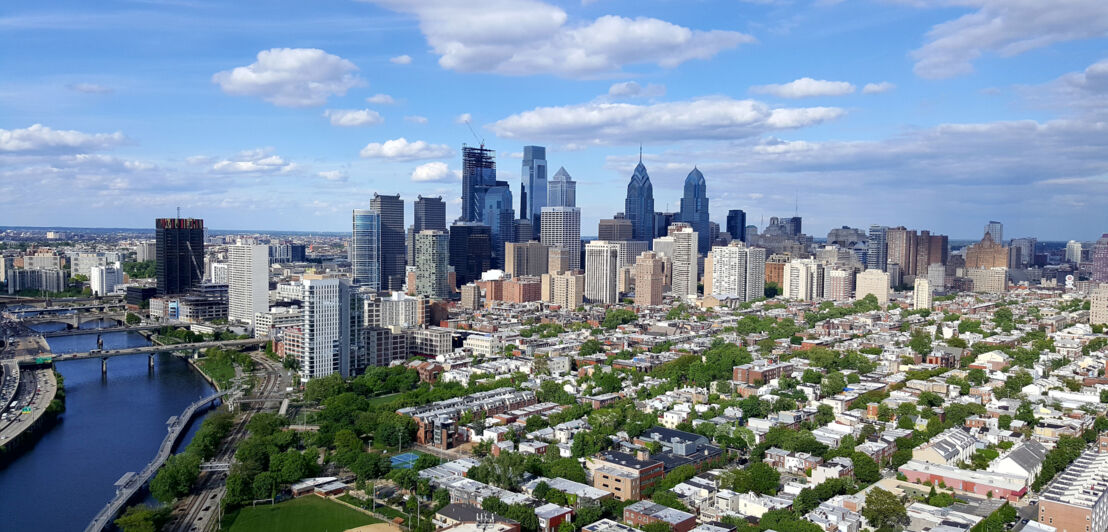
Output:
(124, 328)
(151, 350)
(74, 320)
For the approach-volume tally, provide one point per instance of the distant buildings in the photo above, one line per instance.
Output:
(104, 279)
(921, 294)
(877, 251)
(561, 228)
(601, 269)
(996, 229)
(470, 250)
(737, 271)
(526, 258)
(567, 289)
(533, 188)
(432, 250)
(561, 190)
(1099, 270)
(639, 205)
(694, 208)
(874, 282)
(429, 213)
(649, 275)
(684, 260)
(615, 229)
(180, 260)
(736, 224)
(988, 253)
(988, 280)
(803, 280)
(1098, 306)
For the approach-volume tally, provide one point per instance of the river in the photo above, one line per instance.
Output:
(111, 425)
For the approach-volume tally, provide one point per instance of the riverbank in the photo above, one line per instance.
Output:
(45, 419)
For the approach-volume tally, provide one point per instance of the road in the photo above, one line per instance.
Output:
(151, 349)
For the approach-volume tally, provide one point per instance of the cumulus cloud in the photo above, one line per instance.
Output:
(416, 119)
(1006, 28)
(1082, 93)
(524, 37)
(805, 88)
(432, 172)
(878, 88)
(402, 150)
(259, 161)
(333, 175)
(39, 138)
(612, 123)
(353, 117)
(90, 88)
(632, 89)
(381, 99)
(291, 77)
(401, 59)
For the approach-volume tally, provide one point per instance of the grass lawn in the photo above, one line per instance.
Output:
(382, 400)
(305, 513)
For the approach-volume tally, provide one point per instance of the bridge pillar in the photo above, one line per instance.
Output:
(151, 362)
(103, 365)
(76, 319)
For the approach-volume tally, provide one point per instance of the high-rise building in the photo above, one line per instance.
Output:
(478, 170)
(1098, 305)
(526, 258)
(561, 228)
(523, 230)
(471, 297)
(180, 261)
(561, 191)
(287, 252)
(629, 250)
(874, 282)
(1100, 259)
(649, 274)
(429, 213)
(1022, 251)
(921, 294)
(248, 282)
(104, 279)
(936, 277)
(694, 208)
(615, 229)
(662, 221)
(365, 249)
(803, 280)
(601, 269)
(390, 209)
(533, 188)
(322, 331)
(558, 260)
(736, 224)
(989, 280)
(432, 264)
(997, 230)
(144, 251)
(470, 250)
(497, 213)
(639, 206)
(988, 253)
(1073, 252)
(685, 267)
(567, 289)
(220, 273)
(737, 271)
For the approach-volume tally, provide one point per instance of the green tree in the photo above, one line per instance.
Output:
(142, 518)
(591, 346)
(884, 510)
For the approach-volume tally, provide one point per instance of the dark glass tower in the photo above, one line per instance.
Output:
(478, 170)
(180, 254)
(736, 224)
(639, 206)
(533, 185)
(430, 213)
(390, 209)
(694, 208)
(470, 250)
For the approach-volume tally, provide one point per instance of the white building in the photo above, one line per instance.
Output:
(248, 282)
(629, 250)
(803, 280)
(277, 318)
(220, 273)
(874, 282)
(560, 227)
(145, 251)
(322, 327)
(936, 275)
(921, 294)
(104, 279)
(684, 260)
(1073, 252)
(738, 271)
(567, 289)
(483, 345)
(399, 310)
(601, 269)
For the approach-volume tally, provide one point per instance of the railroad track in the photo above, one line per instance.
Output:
(199, 507)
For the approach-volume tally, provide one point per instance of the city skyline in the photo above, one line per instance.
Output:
(301, 125)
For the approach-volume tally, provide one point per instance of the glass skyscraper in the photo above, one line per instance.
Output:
(877, 249)
(694, 207)
(393, 255)
(532, 196)
(736, 224)
(365, 249)
(639, 206)
(180, 254)
(478, 170)
(561, 191)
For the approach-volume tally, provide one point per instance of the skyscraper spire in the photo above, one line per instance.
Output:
(640, 153)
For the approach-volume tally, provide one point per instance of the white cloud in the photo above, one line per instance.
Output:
(40, 138)
(381, 99)
(613, 123)
(463, 118)
(291, 77)
(878, 88)
(353, 117)
(260, 161)
(401, 59)
(632, 89)
(805, 88)
(90, 88)
(432, 172)
(1006, 28)
(333, 175)
(524, 37)
(1083, 94)
(416, 119)
(402, 150)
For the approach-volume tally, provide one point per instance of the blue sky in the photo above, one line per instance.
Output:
(933, 114)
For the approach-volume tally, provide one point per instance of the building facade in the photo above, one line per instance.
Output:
(248, 282)
(601, 269)
(561, 228)
(694, 208)
(180, 261)
(432, 253)
(639, 205)
(390, 209)
(737, 271)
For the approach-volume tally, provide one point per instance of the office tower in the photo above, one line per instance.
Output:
(180, 261)
(558, 260)
(1026, 254)
(561, 228)
(895, 274)
(629, 250)
(478, 170)
(321, 334)
(144, 251)
(902, 249)
(615, 229)
(248, 282)
(685, 266)
(601, 267)
(988, 253)
(1100, 259)
(1073, 252)
(923, 252)
(104, 279)
(989, 280)
(664, 246)
(287, 252)
(365, 249)
(840, 284)
(526, 258)
(561, 190)
(470, 250)
(220, 273)
(649, 273)
(533, 189)
(662, 221)
(566, 289)
(7, 265)
(737, 271)
(940, 251)
(874, 282)
(936, 277)
(497, 213)
(471, 297)
(997, 230)
(639, 205)
(921, 294)
(429, 213)
(694, 208)
(432, 264)
(877, 251)
(803, 280)
(390, 209)
(1098, 305)
(523, 230)
(736, 224)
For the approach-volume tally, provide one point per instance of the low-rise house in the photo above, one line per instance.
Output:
(579, 495)
(623, 475)
(1025, 459)
(1000, 485)
(950, 446)
(643, 513)
(551, 516)
(838, 467)
(453, 515)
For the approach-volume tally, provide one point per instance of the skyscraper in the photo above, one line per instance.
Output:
(615, 229)
(497, 213)
(561, 190)
(684, 260)
(365, 249)
(429, 213)
(533, 189)
(391, 211)
(1073, 252)
(248, 282)
(901, 244)
(803, 280)
(639, 205)
(526, 258)
(737, 271)
(997, 230)
(694, 207)
(921, 294)
(877, 252)
(988, 253)
(470, 250)
(736, 224)
(601, 269)
(432, 264)
(561, 228)
(180, 249)
(649, 274)
(320, 347)
(478, 169)
(1100, 260)
(874, 282)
